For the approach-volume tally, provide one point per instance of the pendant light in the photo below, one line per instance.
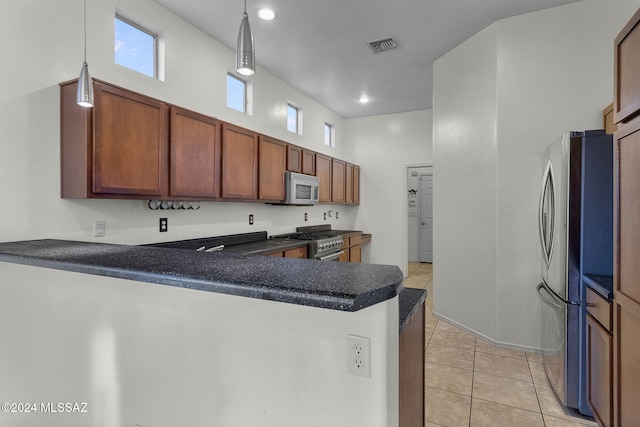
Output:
(245, 56)
(85, 83)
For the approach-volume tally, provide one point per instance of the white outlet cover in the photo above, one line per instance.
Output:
(99, 228)
(359, 356)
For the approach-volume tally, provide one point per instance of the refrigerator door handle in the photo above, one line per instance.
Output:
(549, 300)
(547, 213)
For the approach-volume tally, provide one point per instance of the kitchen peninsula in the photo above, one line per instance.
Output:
(227, 339)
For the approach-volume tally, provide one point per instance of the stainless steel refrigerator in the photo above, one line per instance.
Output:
(576, 237)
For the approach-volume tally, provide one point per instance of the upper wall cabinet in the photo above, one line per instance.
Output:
(271, 169)
(627, 79)
(117, 149)
(194, 153)
(239, 163)
(338, 181)
(308, 162)
(323, 172)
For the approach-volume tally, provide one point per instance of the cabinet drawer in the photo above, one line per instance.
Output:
(296, 253)
(355, 240)
(599, 308)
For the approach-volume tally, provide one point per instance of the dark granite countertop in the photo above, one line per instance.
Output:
(246, 244)
(601, 284)
(330, 285)
(409, 302)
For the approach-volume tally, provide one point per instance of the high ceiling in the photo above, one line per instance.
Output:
(320, 47)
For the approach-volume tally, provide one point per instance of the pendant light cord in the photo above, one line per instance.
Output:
(245, 6)
(85, 30)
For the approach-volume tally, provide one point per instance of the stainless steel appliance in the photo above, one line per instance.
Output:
(576, 236)
(324, 244)
(301, 189)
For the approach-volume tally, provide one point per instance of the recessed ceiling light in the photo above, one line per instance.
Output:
(364, 99)
(266, 14)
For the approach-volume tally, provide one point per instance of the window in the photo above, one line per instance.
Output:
(329, 135)
(135, 47)
(236, 93)
(294, 119)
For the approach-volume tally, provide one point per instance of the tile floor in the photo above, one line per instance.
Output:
(471, 383)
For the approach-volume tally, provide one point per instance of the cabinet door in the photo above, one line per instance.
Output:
(239, 163)
(356, 184)
(355, 254)
(349, 184)
(626, 96)
(338, 175)
(323, 172)
(344, 256)
(130, 143)
(194, 155)
(272, 162)
(294, 158)
(599, 372)
(308, 162)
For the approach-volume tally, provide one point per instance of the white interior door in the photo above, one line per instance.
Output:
(426, 216)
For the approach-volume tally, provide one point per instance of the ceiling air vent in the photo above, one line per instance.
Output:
(382, 45)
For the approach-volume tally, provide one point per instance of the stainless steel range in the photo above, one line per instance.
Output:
(325, 244)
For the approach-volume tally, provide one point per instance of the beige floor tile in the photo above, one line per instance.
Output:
(485, 347)
(450, 356)
(448, 378)
(519, 394)
(551, 421)
(494, 364)
(463, 341)
(538, 374)
(446, 408)
(427, 336)
(428, 424)
(534, 357)
(550, 405)
(491, 414)
(446, 326)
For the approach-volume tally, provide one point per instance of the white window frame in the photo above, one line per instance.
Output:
(158, 43)
(298, 109)
(332, 135)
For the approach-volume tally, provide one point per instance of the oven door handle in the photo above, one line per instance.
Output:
(331, 257)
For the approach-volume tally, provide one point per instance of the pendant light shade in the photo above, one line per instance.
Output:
(245, 56)
(84, 97)
(85, 87)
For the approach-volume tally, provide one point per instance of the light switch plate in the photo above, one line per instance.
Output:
(99, 228)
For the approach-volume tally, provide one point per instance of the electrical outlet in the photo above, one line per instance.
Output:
(325, 215)
(359, 356)
(306, 216)
(336, 214)
(164, 225)
(99, 228)
(250, 219)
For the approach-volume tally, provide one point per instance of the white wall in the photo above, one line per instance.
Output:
(42, 43)
(141, 354)
(552, 72)
(384, 146)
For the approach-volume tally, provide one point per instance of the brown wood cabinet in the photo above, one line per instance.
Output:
(272, 164)
(349, 183)
(301, 252)
(626, 274)
(411, 371)
(117, 149)
(599, 358)
(323, 172)
(294, 158)
(239, 163)
(308, 162)
(626, 97)
(194, 155)
(607, 119)
(338, 181)
(352, 248)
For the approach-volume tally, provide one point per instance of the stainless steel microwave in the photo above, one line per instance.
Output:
(301, 189)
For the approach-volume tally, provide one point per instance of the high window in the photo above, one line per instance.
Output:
(135, 47)
(236, 93)
(329, 135)
(294, 118)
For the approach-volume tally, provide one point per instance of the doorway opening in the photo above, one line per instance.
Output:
(420, 213)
